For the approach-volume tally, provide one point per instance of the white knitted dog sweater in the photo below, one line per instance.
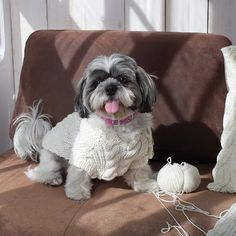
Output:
(59, 139)
(103, 154)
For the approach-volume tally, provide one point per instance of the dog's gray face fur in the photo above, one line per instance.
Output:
(115, 78)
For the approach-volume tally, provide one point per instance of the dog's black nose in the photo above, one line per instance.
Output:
(111, 89)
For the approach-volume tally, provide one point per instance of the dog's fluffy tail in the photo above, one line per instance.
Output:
(31, 127)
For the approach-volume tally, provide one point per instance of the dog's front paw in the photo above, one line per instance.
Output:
(147, 186)
(78, 194)
(56, 180)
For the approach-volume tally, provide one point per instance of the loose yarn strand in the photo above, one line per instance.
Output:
(200, 229)
(193, 208)
(223, 213)
(183, 206)
(178, 227)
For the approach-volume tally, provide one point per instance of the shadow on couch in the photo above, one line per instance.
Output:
(191, 142)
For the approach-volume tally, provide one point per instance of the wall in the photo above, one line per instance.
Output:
(6, 74)
(22, 17)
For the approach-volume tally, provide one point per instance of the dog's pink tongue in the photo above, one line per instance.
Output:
(112, 107)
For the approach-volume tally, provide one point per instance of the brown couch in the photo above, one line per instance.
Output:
(187, 126)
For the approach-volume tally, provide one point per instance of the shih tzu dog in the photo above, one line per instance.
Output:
(108, 135)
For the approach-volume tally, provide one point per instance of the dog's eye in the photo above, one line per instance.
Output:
(98, 81)
(123, 79)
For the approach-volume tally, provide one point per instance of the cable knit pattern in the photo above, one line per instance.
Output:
(105, 155)
(224, 172)
(104, 152)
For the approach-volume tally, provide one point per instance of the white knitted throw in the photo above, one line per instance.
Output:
(104, 153)
(224, 172)
(226, 225)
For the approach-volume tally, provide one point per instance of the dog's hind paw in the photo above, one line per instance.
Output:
(37, 175)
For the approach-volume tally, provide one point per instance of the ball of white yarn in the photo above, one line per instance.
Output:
(178, 178)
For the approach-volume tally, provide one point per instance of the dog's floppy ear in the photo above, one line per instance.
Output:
(79, 103)
(148, 90)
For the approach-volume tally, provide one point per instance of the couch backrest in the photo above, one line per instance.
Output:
(191, 86)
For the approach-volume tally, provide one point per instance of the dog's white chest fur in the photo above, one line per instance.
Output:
(104, 152)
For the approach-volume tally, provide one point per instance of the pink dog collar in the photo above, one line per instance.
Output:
(125, 121)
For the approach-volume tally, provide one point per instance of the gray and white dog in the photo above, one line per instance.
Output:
(109, 135)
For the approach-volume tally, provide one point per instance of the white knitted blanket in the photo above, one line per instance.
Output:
(104, 152)
(226, 225)
(224, 172)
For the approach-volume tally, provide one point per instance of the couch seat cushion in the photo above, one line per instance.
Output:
(28, 208)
